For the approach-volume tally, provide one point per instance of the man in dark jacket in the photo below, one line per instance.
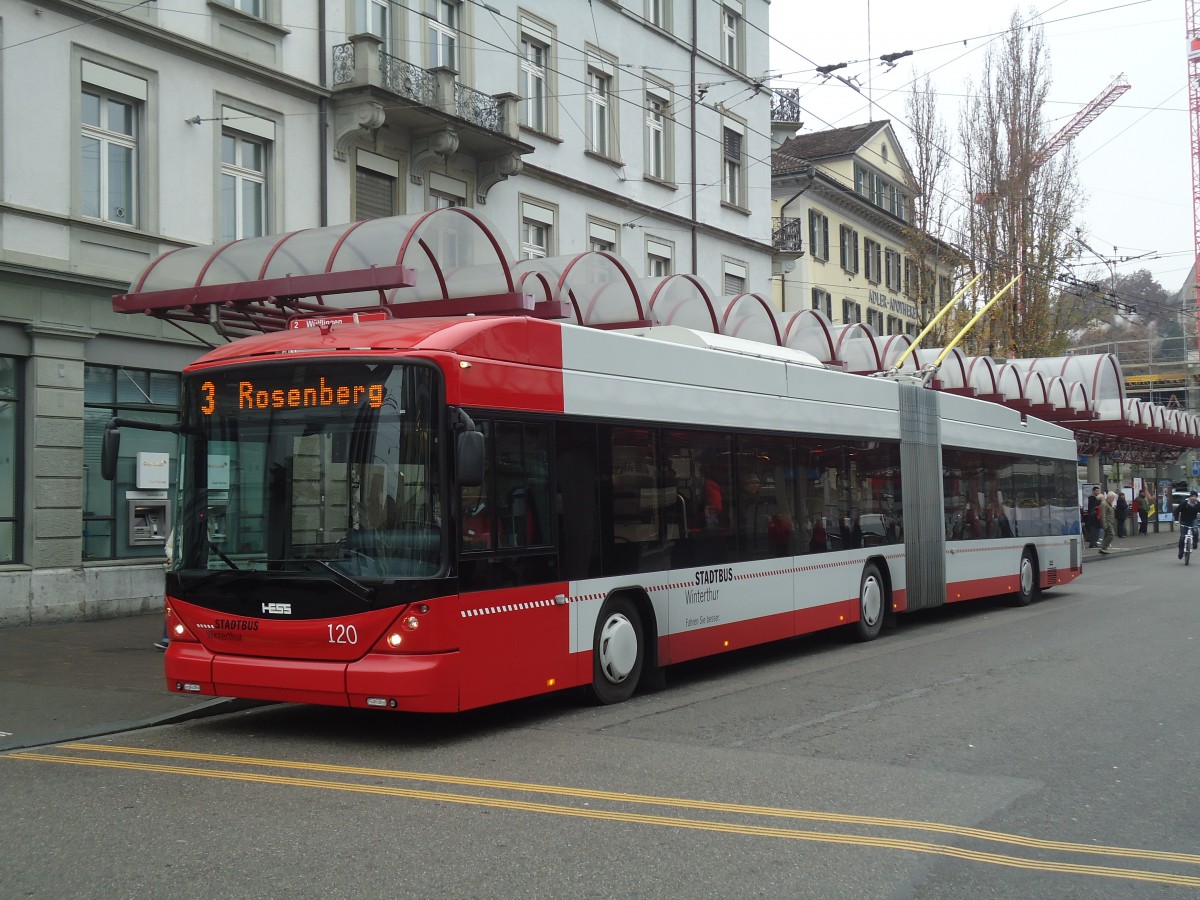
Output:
(1092, 519)
(1185, 514)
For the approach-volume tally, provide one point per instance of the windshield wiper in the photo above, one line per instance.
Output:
(357, 588)
(225, 559)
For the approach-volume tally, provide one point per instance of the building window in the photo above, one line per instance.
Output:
(875, 320)
(818, 235)
(822, 302)
(108, 516)
(533, 83)
(892, 269)
(445, 192)
(109, 155)
(602, 236)
(537, 230)
(733, 172)
(851, 312)
(658, 13)
(659, 133)
(660, 258)
(600, 97)
(849, 248)
(731, 34)
(734, 281)
(442, 35)
(874, 261)
(243, 186)
(880, 191)
(945, 289)
(375, 182)
(249, 7)
(10, 458)
(247, 147)
(374, 17)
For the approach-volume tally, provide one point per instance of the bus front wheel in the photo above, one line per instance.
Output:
(872, 603)
(618, 651)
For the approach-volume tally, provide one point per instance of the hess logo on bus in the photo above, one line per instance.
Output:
(277, 609)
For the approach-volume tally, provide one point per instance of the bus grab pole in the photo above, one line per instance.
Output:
(975, 318)
(928, 328)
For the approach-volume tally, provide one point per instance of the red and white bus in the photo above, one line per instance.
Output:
(434, 514)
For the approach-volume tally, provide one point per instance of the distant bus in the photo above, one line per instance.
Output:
(436, 514)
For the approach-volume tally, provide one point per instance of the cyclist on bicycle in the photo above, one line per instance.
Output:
(1185, 514)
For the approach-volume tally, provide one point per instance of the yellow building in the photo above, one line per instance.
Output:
(849, 191)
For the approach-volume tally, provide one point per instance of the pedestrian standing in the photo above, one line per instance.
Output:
(1108, 519)
(1122, 510)
(1092, 519)
(1143, 511)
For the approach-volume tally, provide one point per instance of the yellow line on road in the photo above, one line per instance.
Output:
(999, 837)
(633, 818)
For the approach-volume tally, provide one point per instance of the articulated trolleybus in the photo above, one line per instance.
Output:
(434, 514)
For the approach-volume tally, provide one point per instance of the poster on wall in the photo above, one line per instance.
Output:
(1166, 513)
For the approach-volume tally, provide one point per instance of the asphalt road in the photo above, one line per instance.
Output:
(979, 751)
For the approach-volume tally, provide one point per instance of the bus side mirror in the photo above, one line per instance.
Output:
(470, 458)
(109, 449)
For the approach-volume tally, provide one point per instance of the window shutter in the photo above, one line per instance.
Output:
(374, 195)
(733, 146)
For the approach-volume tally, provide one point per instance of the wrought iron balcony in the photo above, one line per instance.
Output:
(362, 63)
(785, 105)
(787, 236)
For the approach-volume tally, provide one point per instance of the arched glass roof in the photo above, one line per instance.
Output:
(808, 330)
(855, 346)
(683, 300)
(751, 316)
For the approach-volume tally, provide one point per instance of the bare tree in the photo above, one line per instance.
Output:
(1021, 204)
(928, 250)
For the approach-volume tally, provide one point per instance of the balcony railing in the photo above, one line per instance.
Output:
(785, 105)
(403, 78)
(437, 89)
(787, 235)
(478, 108)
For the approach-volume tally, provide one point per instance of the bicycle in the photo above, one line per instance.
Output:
(1189, 541)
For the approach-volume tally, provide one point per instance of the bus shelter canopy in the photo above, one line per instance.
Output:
(453, 262)
(257, 284)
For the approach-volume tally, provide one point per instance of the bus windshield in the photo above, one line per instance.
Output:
(330, 469)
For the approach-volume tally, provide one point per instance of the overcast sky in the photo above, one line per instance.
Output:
(1133, 160)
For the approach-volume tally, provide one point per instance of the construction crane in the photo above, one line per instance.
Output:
(1081, 120)
(1193, 64)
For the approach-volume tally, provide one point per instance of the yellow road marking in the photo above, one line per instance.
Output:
(615, 816)
(999, 837)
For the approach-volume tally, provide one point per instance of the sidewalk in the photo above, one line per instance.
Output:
(82, 679)
(1166, 539)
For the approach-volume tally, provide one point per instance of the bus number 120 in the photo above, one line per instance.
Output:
(343, 634)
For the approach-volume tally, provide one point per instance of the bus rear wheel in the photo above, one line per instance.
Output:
(1027, 587)
(618, 651)
(872, 603)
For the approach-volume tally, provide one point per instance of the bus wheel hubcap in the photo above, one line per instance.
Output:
(618, 648)
(1026, 576)
(872, 601)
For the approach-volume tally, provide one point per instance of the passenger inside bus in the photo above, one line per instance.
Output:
(476, 520)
